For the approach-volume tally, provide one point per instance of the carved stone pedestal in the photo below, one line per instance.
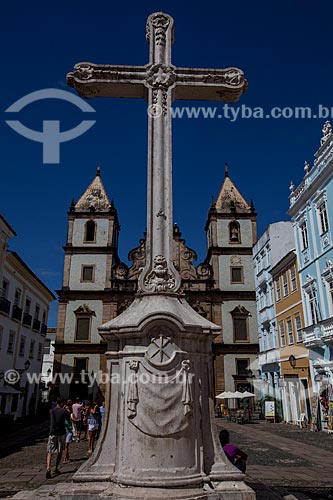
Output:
(159, 440)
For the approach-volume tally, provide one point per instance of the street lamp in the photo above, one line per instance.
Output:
(292, 361)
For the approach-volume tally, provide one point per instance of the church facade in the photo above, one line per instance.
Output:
(97, 287)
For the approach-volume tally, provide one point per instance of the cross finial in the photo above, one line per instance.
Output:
(98, 171)
(226, 170)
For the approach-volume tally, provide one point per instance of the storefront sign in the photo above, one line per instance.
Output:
(270, 409)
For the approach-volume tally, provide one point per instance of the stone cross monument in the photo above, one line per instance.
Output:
(159, 439)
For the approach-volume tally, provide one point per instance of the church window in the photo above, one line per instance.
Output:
(90, 231)
(242, 366)
(82, 328)
(83, 322)
(240, 324)
(304, 235)
(234, 232)
(322, 211)
(237, 275)
(80, 366)
(87, 273)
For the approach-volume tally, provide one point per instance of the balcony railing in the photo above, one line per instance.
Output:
(36, 324)
(17, 313)
(4, 305)
(318, 334)
(327, 330)
(27, 319)
(43, 328)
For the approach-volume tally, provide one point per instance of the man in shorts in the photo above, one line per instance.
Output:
(57, 436)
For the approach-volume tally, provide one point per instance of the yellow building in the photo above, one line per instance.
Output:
(295, 381)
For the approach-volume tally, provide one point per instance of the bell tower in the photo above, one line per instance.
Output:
(231, 233)
(84, 301)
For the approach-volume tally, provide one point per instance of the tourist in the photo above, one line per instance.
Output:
(77, 420)
(101, 415)
(69, 434)
(84, 412)
(234, 454)
(57, 436)
(92, 424)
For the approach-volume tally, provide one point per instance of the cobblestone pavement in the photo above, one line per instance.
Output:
(283, 460)
(23, 457)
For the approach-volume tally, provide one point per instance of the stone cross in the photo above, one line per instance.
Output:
(160, 83)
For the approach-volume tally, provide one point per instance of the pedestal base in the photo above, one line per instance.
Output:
(227, 490)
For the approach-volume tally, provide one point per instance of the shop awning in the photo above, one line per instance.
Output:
(8, 390)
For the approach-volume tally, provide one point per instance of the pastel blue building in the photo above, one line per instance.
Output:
(311, 211)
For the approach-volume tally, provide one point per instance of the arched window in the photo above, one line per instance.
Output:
(234, 232)
(90, 231)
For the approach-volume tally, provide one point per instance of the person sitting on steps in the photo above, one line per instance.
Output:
(236, 456)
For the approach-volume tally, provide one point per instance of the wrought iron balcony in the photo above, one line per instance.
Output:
(4, 305)
(27, 319)
(36, 324)
(17, 313)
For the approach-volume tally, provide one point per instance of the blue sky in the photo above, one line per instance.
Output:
(284, 49)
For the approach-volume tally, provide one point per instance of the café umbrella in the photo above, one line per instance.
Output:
(225, 395)
(247, 394)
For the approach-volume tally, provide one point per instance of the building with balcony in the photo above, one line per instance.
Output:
(24, 305)
(311, 210)
(47, 366)
(295, 380)
(275, 242)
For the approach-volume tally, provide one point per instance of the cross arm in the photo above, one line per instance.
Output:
(105, 80)
(210, 84)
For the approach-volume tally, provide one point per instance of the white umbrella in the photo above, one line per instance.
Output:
(225, 395)
(237, 395)
(247, 394)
